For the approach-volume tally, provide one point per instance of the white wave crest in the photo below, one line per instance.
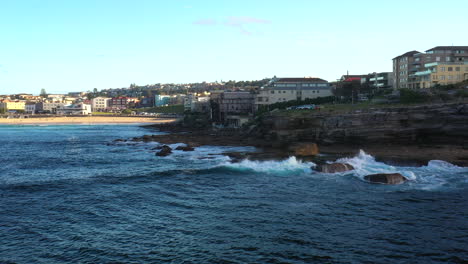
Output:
(365, 164)
(288, 165)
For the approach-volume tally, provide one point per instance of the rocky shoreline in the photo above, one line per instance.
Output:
(410, 136)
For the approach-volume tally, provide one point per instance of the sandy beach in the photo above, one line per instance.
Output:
(85, 120)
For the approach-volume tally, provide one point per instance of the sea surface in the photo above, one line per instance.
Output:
(69, 194)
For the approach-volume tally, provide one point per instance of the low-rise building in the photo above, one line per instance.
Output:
(74, 109)
(30, 108)
(287, 89)
(121, 103)
(48, 107)
(12, 105)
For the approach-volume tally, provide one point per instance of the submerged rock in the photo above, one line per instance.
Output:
(165, 151)
(304, 149)
(185, 148)
(386, 178)
(334, 167)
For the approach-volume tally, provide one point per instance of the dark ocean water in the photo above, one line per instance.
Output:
(66, 196)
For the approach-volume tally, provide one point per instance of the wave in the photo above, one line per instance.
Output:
(284, 166)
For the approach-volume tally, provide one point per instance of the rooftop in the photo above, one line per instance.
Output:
(448, 48)
(304, 79)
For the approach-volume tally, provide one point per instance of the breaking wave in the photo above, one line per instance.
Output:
(284, 166)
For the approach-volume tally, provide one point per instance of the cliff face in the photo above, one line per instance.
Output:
(432, 124)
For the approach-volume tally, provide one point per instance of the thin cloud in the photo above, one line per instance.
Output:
(240, 21)
(205, 22)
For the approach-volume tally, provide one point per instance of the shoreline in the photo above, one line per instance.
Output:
(86, 120)
(392, 154)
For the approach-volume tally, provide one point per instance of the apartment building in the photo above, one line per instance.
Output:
(10, 105)
(47, 107)
(287, 89)
(100, 104)
(74, 109)
(414, 69)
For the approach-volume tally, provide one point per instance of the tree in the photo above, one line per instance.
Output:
(43, 92)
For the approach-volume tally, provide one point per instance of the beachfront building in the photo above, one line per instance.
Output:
(100, 104)
(48, 107)
(121, 103)
(12, 105)
(414, 69)
(287, 89)
(30, 108)
(74, 109)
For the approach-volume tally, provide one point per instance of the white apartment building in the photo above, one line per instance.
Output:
(74, 109)
(100, 104)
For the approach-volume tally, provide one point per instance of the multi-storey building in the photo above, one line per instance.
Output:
(74, 109)
(401, 69)
(46, 107)
(287, 89)
(232, 108)
(414, 69)
(120, 103)
(30, 108)
(10, 105)
(100, 104)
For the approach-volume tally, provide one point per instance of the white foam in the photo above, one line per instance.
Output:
(288, 165)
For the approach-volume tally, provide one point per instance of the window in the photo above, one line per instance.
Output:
(447, 58)
(272, 92)
(457, 68)
(442, 69)
(442, 77)
(434, 77)
(449, 77)
(449, 68)
(437, 58)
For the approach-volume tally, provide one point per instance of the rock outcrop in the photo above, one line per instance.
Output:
(334, 167)
(165, 151)
(386, 178)
(304, 149)
(434, 124)
(185, 148)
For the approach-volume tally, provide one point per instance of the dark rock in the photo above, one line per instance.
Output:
(120, 140)
(334, 167)
(386, 178)
(185, 148)
(165, 151)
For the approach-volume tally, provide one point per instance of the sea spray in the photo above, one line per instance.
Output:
(365, 164)
(289, 165)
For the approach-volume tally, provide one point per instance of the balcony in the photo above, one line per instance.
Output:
(421, 73)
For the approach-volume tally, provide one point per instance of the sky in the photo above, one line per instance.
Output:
(79, 45)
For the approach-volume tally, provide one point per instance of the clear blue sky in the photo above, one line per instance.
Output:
(82, 44)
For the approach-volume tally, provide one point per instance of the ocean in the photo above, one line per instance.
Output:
(69, 194)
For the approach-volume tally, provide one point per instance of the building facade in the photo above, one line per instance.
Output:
(414, 69)
(100, 104)
(232, 108)
(10, 105)
(287, 89)
(74, 109)
(45, 107)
